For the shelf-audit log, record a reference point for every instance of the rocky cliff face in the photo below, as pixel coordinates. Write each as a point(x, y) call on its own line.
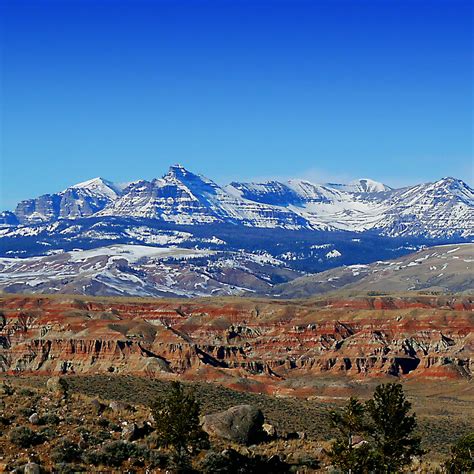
point(236, 342)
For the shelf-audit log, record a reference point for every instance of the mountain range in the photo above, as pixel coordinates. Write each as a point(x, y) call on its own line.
point(436, 210)
point(185, 235)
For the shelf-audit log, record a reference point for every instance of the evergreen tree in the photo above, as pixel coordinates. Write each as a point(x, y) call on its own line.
point(393, 428)
point(462, 456)
point(177, 424)
point(351, 421)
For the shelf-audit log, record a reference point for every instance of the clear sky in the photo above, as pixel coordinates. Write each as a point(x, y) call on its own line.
point(327, 90)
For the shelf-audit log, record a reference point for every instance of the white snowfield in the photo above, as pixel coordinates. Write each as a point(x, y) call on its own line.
point(441, 209)
point(133, 253)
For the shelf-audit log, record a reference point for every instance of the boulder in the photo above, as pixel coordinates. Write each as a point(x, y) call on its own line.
point(34, 419)
point(130, 432)
point(97, 406)
point(31, 468)
point(240, 424)
point(57, 385)
point(117, 406)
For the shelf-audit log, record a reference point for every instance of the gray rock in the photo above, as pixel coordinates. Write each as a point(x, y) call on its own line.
point(31, 468)
point(241, 424)
point(130, 432)
point(97, 406)
point(57, 385)
point(34, 419)
point(117, 406)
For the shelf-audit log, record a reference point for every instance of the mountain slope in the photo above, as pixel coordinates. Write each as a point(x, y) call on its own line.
point(443, 208)
point(139, 270)
point(446, 268)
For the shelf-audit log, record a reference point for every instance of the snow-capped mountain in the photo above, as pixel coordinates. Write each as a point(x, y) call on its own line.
point(438, 209)
point(200, 238)
point(80, 200)
point(443, 209)
point(182, 197)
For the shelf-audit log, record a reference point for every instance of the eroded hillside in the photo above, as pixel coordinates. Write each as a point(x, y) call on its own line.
point(258, 345)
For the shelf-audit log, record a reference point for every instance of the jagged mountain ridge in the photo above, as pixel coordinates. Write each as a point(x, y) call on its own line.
point(434, 210)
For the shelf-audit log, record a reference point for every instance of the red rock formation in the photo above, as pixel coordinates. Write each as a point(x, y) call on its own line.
point(234, 338)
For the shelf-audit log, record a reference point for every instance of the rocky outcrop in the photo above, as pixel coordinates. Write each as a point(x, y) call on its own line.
point(241, 424)
point(239, 339)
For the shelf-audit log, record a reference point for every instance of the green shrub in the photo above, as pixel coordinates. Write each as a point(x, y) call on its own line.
point(230, 461)
point(49, 419)
point(26, 411)
point(157, 459)
point(103, 422)
point(7, 389)
point(65, 452)
point(115, 453)
point(65, 468)
point(48, 433)
point(25, 392)
point(93, 439)
point(25, 437)
point(5, 421)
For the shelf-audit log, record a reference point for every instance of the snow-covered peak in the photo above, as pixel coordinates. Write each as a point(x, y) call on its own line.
point(184, 176)
point(454, 185)
point(177, 170)
point(362, 185)
point(312, 192)
point(367, 185)
point(98, 187)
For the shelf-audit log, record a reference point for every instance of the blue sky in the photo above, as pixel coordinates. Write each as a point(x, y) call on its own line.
point(327, 90)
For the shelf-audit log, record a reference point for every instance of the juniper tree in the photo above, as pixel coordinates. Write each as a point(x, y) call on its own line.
point(349, 422)
point(393, 428)
point(177, 423)
point(462, 456)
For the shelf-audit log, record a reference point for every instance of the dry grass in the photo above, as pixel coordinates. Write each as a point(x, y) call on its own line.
point(444, 411)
